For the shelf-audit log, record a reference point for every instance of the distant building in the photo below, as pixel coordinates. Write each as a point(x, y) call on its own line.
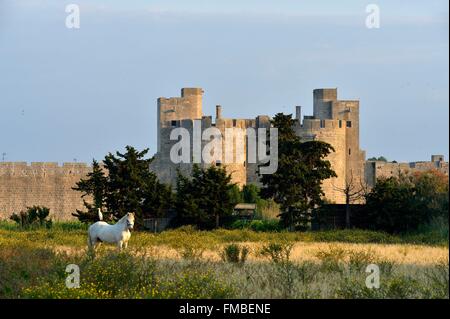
point(377, 169)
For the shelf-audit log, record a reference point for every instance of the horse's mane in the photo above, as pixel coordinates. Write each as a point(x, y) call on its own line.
point(123, 218)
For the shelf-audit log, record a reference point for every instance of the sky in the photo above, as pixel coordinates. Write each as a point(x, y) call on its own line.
point(76, 94)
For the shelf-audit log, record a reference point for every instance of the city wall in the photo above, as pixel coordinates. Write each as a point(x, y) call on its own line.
point(43, 184)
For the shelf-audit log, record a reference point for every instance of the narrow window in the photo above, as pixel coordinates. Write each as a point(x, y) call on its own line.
point(234, 123)
point(349, 123)
point(340, 123)
point(349, 151)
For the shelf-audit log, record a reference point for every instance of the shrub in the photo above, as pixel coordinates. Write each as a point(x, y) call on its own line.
point(257, 225)
point(333, 258)
point(360, 259)
point(386, 266)
point(235, 254)
point(406, 203)
point(191, 249)
point(277, 252)
point(33, 217)
point(285, 271)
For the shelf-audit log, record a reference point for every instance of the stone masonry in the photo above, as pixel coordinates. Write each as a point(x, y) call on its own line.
point(43, 184)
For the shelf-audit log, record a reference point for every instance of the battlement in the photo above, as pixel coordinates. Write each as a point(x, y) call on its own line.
point(191, 91)
point(47, 184)
point(43, 165)
point(325, 94)
point(171, 110)
point(318, 124)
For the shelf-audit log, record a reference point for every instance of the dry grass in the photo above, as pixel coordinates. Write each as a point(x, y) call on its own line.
point(32, 262)
point(305, 252)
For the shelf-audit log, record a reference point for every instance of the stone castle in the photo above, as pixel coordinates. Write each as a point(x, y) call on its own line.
point(333, 121)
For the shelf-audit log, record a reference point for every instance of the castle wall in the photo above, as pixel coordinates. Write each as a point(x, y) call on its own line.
point(41, 184)
point(381, 169)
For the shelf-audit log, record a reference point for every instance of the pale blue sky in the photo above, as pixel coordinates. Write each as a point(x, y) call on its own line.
point(68, 94)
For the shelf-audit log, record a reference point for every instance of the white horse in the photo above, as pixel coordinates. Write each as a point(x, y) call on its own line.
point(118, 233)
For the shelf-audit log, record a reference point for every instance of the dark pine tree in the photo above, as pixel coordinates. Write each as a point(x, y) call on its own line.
point(94, 186)
point(206, 198)
point(296, 185)
point(124, 184)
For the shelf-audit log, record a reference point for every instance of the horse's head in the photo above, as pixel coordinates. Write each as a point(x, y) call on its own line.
point(130, 220)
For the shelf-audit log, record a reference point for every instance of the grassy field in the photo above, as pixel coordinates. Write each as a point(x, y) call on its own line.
point(186, 263)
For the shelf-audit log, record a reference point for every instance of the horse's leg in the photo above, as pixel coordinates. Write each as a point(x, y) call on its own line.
point(120, 245)
point(125, 245)
point(92, 245)
point(89, 242)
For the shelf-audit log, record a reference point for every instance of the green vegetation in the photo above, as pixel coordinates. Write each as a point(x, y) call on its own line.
point(408, 203)
point(415, 206)
point(126, 276)
point(33, 217)
point(257, 225)
point(296, 185)
point(124, 184)
point(74, 235)
point(206, 198)
point(234, 253)
point(32, 269)
point(380, 158)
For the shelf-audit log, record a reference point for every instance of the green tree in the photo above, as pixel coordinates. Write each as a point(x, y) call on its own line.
point(250, 193)
point(297, 184)
point(432, 190)
point(381, 158)
point(205, 198)
point(390, 206)
point(95, 186)
point(236, 194)
point(404, 203)
point(126, 185)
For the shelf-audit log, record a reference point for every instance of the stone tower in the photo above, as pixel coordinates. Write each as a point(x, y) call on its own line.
point(170, 110)
point(337, 123)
